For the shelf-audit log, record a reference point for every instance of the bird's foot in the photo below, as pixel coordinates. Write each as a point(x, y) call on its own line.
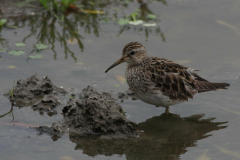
point(167, 110)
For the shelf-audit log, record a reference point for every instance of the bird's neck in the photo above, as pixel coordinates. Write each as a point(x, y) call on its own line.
point(145, 61)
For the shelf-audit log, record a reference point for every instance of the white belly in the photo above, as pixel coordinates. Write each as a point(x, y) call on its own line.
point(157, 99)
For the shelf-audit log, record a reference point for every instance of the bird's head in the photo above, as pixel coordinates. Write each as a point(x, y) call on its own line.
point(133, 53)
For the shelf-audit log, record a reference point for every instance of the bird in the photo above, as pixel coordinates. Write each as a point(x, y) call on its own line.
point(159, 81)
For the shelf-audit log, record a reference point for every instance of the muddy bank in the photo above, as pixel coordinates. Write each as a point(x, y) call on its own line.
point(96, 113)
point(91, 112)
point(39, 93)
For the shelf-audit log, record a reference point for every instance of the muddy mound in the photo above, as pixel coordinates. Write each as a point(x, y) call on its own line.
point(96, 113)
point(41, 94)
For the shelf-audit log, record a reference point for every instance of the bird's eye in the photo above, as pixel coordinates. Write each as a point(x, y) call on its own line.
point(132, 53)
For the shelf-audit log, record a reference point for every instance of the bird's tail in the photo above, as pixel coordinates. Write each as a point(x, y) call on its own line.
point(204, 86)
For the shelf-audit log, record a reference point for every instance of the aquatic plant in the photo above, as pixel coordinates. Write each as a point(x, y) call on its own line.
point(11, 91)
point(56, 6)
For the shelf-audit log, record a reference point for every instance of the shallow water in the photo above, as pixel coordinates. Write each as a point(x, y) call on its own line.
point(203, 35)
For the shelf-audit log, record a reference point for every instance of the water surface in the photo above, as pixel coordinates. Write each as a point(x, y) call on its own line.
point(204, 35)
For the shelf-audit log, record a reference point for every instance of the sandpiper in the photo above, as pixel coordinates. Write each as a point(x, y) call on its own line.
point(159, 81)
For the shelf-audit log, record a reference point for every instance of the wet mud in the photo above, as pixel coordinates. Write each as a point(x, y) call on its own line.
point(41, 94)
point(91, 112)
point(96, 113)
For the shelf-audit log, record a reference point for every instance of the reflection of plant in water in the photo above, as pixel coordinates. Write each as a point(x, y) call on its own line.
point(4, 43)
point(56, 6)
point(144, 14)
point(44, 27)
point(49, 29)
point(8, 113)
point(10, 94)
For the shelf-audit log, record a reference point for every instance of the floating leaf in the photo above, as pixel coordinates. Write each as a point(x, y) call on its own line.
point(2, 21)
point(94, 12)
point(72, 41)
point(149, 24)
point(236, 29)
point(80, 63)
point(138, 10)
point(152, 16)
point(137, 22)
point(123, 21)
point(20, 44)
point(116, 85)
point(3, 50)
point(225, 151)
point(41, 46)
point(126, 1)
point(67, 158)
point(13, 27)
point(16, 53)
point(12, 67)
point(121, 79)
point(204, 156)
point(234, 112)
point(36, 56)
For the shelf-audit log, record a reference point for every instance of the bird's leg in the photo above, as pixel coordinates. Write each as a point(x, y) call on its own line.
point(167, 110)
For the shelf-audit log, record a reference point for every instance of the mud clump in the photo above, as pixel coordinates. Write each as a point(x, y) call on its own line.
point(41, 94)
point(92, 112)
point(96, 113)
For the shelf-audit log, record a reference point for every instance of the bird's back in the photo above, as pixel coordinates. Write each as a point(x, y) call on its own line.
point(167, 79)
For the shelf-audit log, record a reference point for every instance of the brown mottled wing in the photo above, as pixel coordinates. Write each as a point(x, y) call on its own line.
point(178, 82)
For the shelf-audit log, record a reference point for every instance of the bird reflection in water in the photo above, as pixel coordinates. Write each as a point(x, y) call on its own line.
point(163, 137)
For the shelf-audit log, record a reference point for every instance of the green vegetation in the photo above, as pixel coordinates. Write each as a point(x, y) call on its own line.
point(134, 20)
point(2, 50)
point(123, 21)
point(133, 15)
point(20, 44)
point(2, 22)
point(55, 6)
point(11, 91)
point(58, 8)
point(88, 17)
point(16, 53)
point(41, 46)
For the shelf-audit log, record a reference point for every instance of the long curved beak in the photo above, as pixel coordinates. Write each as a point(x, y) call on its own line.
point(121, 60)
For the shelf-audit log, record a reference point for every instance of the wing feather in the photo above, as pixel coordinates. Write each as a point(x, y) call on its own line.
point(178, 82)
